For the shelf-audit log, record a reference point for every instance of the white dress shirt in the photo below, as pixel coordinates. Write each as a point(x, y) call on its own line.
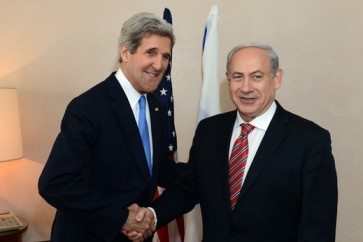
point(133, 96)
point(255, 137)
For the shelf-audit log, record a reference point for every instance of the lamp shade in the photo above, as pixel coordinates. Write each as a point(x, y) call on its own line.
point(11, 146)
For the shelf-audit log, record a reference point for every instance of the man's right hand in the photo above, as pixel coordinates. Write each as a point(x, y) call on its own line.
point(139, 224)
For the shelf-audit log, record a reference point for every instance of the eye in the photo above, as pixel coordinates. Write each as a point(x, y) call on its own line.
point(166, 57)
point(151, 52)
point(236, 77)
point(257, 77)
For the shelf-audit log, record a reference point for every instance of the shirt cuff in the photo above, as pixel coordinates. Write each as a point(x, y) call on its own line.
point(155, 218)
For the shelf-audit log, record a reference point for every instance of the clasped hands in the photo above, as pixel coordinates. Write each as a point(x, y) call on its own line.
point(140, 223)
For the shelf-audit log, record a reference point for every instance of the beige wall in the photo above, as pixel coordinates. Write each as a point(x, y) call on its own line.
point(54, 50)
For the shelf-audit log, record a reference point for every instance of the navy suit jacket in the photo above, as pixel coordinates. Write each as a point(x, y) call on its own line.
point(290, 192)
point(97, 166)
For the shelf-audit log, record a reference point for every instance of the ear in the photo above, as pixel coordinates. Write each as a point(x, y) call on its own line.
point(124, 53)
point(278, 78)
point(227, 76)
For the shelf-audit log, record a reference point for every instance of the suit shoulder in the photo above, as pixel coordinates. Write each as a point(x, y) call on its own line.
point(101, 87)
point(304, 124)
point(96, 92)
point(218, 119)
point(94, 100)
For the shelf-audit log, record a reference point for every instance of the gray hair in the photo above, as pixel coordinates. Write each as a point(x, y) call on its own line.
point(140, 25)
point(273, 58)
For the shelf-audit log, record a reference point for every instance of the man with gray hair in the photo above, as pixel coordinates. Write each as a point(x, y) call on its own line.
point(260, 173)
point(112, 149)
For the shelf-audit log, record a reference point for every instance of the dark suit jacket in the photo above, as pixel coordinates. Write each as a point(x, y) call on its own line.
point(290, 192)
point(97, 166)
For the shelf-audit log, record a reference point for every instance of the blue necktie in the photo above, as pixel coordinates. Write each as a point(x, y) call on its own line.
point(144, 131)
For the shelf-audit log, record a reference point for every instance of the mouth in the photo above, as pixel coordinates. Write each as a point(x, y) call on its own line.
point(247, 100)
point(153, 74)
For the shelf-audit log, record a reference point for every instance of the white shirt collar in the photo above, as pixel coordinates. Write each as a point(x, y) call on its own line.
point(262, 121)
point(132, 94)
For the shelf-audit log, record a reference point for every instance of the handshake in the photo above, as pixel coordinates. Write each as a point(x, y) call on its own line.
point(140, 223)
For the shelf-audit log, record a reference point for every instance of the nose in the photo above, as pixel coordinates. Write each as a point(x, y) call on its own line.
point(245, 85)
point(158, 63)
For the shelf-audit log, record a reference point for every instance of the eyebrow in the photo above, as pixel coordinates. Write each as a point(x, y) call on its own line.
point(252, 73)
point(151, 49)
point(155, 49)
point(257, 72)
point(236, 72)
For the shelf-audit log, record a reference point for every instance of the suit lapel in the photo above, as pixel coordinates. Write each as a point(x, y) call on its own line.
point(125, 116)
point(225, 134)
point(155, 113)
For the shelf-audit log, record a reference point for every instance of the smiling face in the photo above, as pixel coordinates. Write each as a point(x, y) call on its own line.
point(145, 68)
point(252, 86)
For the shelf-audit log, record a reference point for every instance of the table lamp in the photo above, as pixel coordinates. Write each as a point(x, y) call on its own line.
point(11, 147)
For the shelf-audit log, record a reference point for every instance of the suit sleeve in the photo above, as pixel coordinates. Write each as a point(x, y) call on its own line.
point(182, 195)
point(320, 193)
point(62, 185)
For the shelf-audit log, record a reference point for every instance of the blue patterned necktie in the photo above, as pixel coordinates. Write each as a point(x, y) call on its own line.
point(144, 132)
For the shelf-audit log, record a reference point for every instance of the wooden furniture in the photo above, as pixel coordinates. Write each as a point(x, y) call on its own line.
point(14, 235)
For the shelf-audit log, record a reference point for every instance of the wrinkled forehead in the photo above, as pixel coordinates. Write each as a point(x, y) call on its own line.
point(250, 60)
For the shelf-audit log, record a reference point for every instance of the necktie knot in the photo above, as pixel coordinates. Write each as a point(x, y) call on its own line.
point(142, 101)
point(246, 128)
